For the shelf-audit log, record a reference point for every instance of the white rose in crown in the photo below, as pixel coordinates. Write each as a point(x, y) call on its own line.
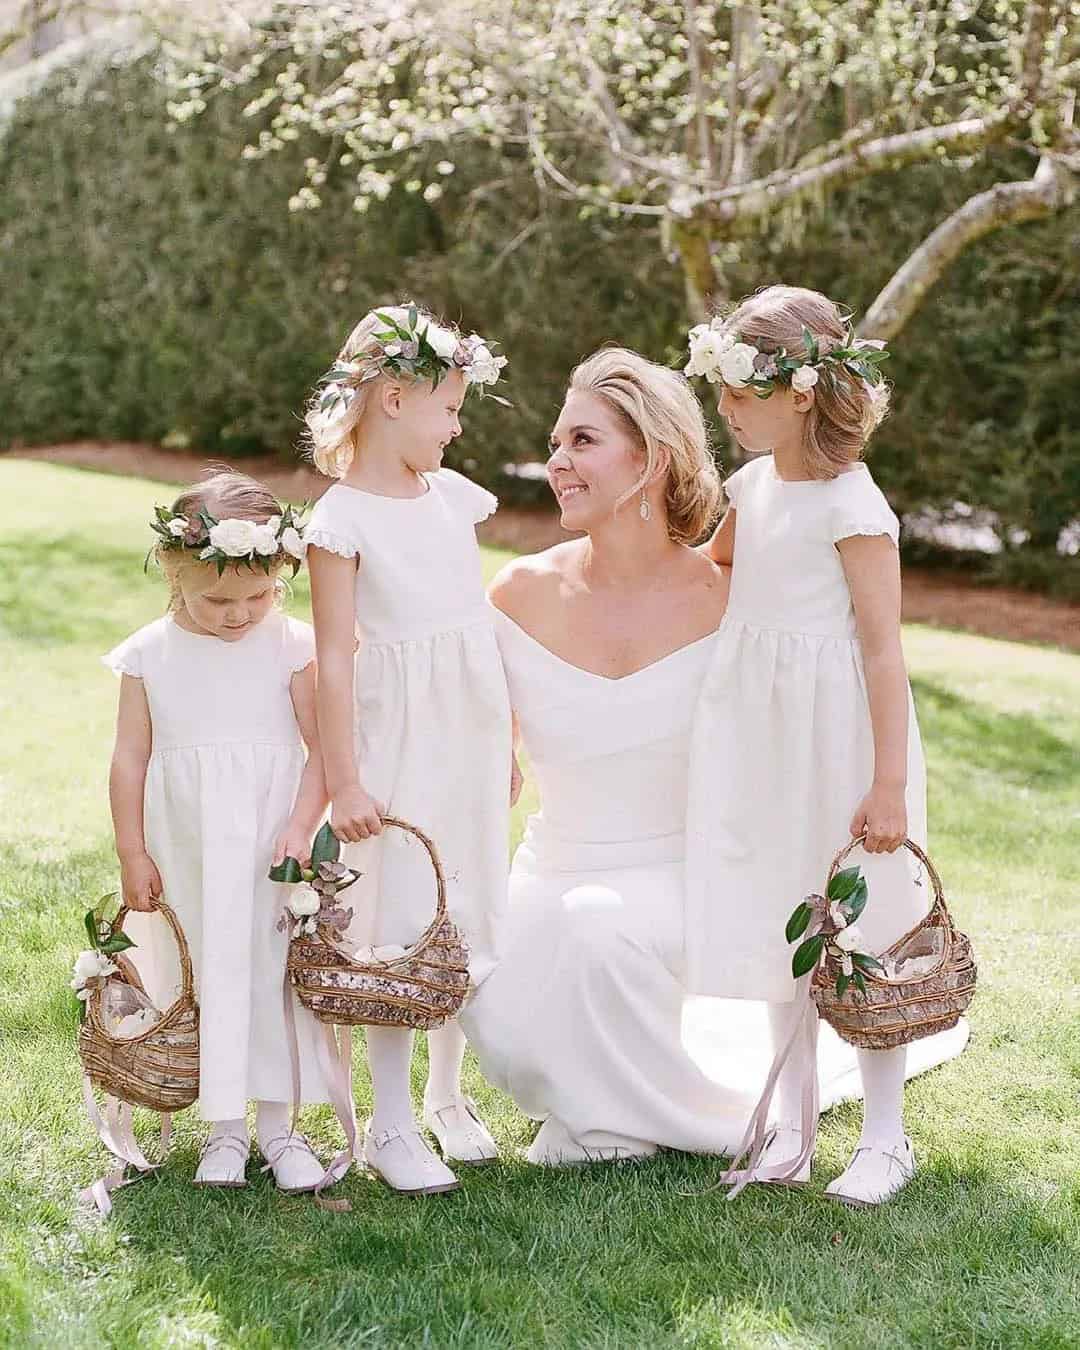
point(737, 364)
point(707, 346)
point(849, 939)
point(484, 367)
point(444, 342)
point(91, 965)
point(304, 902)
point(803, 379)
point(266, 540)
point(292, 542)
point(234, 537)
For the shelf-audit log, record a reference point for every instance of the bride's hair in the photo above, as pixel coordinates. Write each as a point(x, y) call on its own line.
point(661, 411)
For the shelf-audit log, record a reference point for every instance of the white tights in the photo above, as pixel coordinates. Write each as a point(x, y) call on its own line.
point(882, 1073)
point(390, 1060)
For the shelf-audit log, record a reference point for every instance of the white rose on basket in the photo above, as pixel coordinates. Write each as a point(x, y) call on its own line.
point(803, 379)
point(178, 526)
point(737, 364)
point(234, 537)
point(849, 939)
point(304, 903)
point(90, 965)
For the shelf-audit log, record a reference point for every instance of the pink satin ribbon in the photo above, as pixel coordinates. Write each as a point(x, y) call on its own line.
point(757, 1136)
point(116, 1133)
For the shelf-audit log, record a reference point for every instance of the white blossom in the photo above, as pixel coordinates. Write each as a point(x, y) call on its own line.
point(850, 939)
point(443, 340)
point(177, 526)
point(292, 542)
point(266, 540)
point(234, 537)
point(737, 364)
point(803, 379)
point(91, 965)
point(304, 902)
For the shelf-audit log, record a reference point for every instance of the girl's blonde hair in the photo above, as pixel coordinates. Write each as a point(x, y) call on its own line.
point(224, 494)
point(846, 409)
point(661, 411)
point(332, 438)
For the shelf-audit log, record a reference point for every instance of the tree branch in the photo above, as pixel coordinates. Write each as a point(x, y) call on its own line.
point(1052, 189)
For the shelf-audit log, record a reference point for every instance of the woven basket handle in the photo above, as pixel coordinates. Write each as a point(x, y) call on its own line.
point(187, 977)
point(939, 906)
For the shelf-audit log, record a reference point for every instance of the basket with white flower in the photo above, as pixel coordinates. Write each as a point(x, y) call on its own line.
point(729, 358)
point(137, 1054)
point(271, 544)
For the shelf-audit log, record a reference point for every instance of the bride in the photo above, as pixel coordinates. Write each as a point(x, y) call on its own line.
point(585, 1020)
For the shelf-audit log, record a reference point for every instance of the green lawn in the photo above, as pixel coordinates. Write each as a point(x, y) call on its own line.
point(982, 1250)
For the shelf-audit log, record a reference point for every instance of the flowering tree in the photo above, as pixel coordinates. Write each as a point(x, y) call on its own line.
point(719, 120)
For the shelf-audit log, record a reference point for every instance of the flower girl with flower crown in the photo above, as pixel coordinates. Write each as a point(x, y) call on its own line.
point(209, 787)
point(415, 717)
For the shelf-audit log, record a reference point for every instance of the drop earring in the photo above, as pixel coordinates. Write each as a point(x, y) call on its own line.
point(644, 510)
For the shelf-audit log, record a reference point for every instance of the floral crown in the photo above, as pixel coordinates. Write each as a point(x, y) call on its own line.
point(412, 344)
point(728, 358)
point(275, 541)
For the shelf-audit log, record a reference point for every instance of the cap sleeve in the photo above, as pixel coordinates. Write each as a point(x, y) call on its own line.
point(862, 510)
point(736, 481)
point(331, 526)
point(130, 656)
point(475, 502)
point(298, 647)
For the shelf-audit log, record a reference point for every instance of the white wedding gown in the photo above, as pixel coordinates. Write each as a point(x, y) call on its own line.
point(584, 1021)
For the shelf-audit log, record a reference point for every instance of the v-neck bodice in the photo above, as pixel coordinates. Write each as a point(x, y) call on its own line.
point(610, 755)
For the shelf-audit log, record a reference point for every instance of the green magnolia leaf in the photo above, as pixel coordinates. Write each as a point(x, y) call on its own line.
point(856, 901)
point(860, 983)
point(843, 884)
point(327, 847)
point(119, 942)
point(807, 955)
point(90, 922)
point(842, 982)
point(866, 962)
point(799, 922)
point(288, 871)
point(413, 318)
point(810, 343)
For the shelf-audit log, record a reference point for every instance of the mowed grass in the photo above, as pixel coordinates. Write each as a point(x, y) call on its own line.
point(982, 1250)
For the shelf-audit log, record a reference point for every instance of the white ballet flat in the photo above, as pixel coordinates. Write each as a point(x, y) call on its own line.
point(783, 1145)
point(462, 1136)
point(295, 1167)
point(404, 1162)
point(222, 1162)
point(874, 1175)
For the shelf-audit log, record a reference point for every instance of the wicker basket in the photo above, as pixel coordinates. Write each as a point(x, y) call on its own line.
point(421, 988)
point(160, 1067)
point(898, 1010)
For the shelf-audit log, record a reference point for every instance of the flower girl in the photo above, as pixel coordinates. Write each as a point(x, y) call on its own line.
point(806, 726)
point(415, 717)
point(209, 786)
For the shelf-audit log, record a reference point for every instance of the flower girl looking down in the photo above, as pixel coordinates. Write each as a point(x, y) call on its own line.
point(209, 786)
point(412, 702)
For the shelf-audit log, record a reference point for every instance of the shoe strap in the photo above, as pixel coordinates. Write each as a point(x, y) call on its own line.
point(284, 1144)
point(380, 1138)
point(459, 1103)
point(904, 1163)
point(218, 1142)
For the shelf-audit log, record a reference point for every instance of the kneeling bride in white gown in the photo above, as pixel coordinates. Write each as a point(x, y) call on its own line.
point(587, 1021)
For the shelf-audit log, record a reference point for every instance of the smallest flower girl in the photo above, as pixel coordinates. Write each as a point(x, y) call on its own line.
point(209, 787)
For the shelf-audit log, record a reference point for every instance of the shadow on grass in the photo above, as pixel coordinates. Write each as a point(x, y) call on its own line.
point(1017, 748)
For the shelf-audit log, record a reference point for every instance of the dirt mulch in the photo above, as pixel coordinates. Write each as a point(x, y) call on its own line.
point(929, 597)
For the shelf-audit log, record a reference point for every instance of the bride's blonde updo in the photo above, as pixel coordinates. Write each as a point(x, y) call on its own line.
point(661, 411)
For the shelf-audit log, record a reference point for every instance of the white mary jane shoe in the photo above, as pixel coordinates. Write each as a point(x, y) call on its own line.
point(462, 1136)
point(404, 1162)
point(222, 1161)
point(295, 1167)
point(874, 1175)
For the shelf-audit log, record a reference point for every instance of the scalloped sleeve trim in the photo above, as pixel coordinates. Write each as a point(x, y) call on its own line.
point(318, 537)
point(123, 660)
point(299, 645)
point(850, 527)
point(475, 500)
point(734, 482)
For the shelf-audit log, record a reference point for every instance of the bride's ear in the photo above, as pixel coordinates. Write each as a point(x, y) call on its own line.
point(662, 465)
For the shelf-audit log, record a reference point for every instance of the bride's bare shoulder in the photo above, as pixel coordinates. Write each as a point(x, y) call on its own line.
point(709, 581)
point(534, 580)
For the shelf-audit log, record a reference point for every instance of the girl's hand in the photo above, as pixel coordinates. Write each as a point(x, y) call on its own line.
point(140, 882)
point(517, 779)
point(882, 814)
point(355, 815)
point(293, 842)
